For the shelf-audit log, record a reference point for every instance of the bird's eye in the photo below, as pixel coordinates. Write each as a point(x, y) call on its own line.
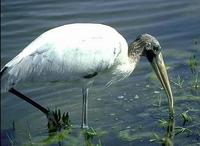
point(156, 49)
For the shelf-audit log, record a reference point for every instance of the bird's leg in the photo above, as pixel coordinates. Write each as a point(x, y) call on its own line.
point(56, 121)
point(85, 108)
point(29, 100)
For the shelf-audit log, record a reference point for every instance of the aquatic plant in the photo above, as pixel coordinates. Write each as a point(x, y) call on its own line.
point(163, 123)
point(179, 81)
point(165, 141)
point(186, 117)
point(90, 134)
point(196, 82)
point(194, 68)
point(179, 130)
point(193, 63)
point(56, 121)
point(57, 137)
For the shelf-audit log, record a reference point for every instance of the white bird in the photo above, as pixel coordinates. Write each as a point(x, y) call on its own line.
point(83, 52)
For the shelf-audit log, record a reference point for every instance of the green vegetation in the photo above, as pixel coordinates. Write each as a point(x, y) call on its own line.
point(57, 137)
point(56, 121)
point(179, 130)
point(163, 123)
point(90, 134)
point(185, 116)
point(179, 81)
point(163, 141)
point(128, 135)
point(67, 137)
point(193, 64)
point(195, 70)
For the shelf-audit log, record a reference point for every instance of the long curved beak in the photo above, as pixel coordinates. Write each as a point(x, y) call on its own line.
point(158, 65)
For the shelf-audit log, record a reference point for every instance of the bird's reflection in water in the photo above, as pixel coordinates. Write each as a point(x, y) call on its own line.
point(61, 132)
point(69, 136)
point(90, 137)
point(169, 139)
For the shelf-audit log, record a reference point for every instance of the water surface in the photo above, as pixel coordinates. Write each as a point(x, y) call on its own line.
point(129, 104)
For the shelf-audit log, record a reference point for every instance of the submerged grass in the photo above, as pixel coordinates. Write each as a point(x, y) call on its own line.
point(193, 64)
point(179, 81)
point(186, 117)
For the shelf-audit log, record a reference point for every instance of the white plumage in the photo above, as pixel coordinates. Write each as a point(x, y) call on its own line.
point(70, 52)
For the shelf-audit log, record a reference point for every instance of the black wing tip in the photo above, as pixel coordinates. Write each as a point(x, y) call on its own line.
point(90, 75)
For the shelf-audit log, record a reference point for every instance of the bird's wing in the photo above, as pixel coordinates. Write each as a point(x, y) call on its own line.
point(63, 54)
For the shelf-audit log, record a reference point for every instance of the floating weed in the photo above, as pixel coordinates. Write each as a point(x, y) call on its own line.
point(186, 117)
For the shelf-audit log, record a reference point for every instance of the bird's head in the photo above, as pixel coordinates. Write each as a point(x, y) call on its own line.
point(147, 45)
point(151, 46)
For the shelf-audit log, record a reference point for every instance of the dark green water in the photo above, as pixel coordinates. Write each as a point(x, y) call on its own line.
point(125, 112)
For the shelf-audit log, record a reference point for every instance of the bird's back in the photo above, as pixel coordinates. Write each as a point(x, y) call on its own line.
point(68, 52)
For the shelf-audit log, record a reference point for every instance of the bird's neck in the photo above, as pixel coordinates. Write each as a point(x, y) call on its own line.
point(134, 52)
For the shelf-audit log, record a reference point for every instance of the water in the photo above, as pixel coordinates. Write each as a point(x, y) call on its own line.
point(174, 23)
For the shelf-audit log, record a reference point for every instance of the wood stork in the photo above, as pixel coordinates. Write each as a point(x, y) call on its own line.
point(82, 52)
